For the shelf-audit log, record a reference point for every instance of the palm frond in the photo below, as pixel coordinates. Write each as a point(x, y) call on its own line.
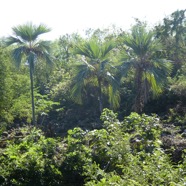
point(76, 92)
point(41, 29)
point(29, 32)
point(12, 40)
point(155, 85)
point(17, 55)
point(106, 48)
point(81, 50)
point(43, 46)
point(125, 67)
point(87, 64)
point(161, 69)
point(48, 59)
point(89, 49)
point(42, 51)
point(23, 31)
point(82, 74)
point(113, 90)
point(114, 97)
point(164, 65)
point(94, 47)
point(140, 40)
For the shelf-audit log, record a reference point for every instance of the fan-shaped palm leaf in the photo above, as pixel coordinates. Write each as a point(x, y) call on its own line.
point(29, 32)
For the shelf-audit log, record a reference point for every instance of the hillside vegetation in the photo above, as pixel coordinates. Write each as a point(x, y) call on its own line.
point(105, 109)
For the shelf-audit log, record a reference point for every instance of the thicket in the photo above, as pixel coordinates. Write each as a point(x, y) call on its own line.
point(127, 152)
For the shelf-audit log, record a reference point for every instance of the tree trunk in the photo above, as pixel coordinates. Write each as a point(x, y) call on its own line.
point(32, 96)
point(100, 98)
point(139, 102)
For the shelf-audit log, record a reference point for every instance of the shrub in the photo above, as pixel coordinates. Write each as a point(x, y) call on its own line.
point(30, 159)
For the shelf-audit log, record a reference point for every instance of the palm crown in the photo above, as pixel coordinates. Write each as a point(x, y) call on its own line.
point(95, 70)
point(143, 56)
point(26, 37)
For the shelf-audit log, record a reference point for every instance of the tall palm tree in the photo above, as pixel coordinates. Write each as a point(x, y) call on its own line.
point(29, 49)
point(143, 55)
point(95, 69)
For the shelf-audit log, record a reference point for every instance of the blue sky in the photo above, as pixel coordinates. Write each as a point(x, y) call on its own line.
point(67, 16)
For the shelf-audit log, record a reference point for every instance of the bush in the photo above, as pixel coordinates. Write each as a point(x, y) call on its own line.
point(30, 159)
point(121, 153)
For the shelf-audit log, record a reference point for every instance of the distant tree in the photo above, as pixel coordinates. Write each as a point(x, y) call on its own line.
point(95, 69)
point(172, 34)
point(143, 56)
point(66, 44)
point(29, 49)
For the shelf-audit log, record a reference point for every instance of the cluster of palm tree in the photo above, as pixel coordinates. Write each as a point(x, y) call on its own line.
point(141, 57)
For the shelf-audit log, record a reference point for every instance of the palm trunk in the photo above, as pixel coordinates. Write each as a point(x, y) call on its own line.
point(100, 97)
point(139, 102)
point(32, 95)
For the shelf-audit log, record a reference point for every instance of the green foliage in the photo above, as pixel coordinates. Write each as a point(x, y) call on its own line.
point(30, 159)
point(150, 69)
point(177, 117)
point(77, 156)
point(44, 104)
point(138, 166)
point(96, 70)
point(145, 131)
point(177, 111)
point(6, 93)
point(135, 151)
point(121, 153)
point(172, 34)
point(20, 109)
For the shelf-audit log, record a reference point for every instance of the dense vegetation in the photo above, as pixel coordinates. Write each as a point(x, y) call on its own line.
point(108, 108)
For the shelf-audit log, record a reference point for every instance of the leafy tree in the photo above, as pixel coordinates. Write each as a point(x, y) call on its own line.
point(172, 34)
point(66, 44)
point(29, 49)
point(143, 55)
point(6, 93)
point(95, 70)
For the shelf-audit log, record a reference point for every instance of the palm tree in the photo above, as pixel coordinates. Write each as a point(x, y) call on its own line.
point(143, 55)
point(29, 49)
point(95, 69)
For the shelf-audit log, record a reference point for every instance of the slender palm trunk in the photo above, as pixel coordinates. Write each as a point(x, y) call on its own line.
point(138, 105)
point(100, 97)
point(32, 95)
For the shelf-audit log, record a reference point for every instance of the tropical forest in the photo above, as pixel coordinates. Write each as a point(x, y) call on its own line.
point(107, 108)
